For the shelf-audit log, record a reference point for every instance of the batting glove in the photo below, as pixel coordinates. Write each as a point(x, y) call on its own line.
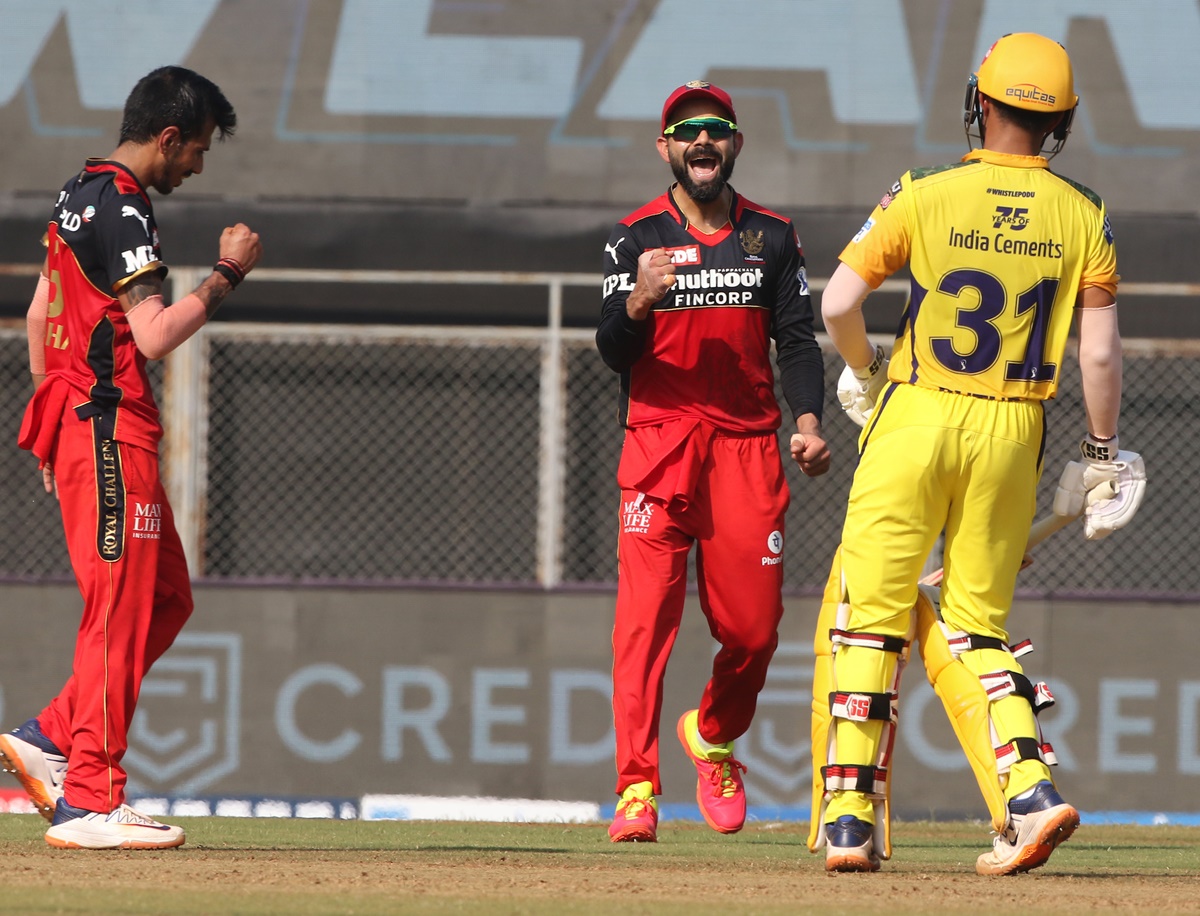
point(858, 388)
point(1106, 487)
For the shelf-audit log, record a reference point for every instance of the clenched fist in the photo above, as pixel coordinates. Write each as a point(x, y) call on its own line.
point(242, 245)
point(655, 276)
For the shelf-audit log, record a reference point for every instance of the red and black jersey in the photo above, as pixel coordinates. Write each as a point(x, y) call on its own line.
point(704, 350)
point(101, 237)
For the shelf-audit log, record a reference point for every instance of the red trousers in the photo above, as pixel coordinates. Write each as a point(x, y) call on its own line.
point(129, 563)
point(726, 494)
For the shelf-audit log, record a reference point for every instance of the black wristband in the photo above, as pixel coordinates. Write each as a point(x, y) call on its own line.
point(228, 273)
point(234, 265)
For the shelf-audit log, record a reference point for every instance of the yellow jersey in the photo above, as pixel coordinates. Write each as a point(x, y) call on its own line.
point(998, 248)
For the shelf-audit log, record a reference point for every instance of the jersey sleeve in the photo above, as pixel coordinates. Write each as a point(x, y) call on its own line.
point(128, 239)
point(1101, 267)
point(619, 338)
point(797, 353)
point(881, 247)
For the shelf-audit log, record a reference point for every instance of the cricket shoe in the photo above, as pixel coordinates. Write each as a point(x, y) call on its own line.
point(850, 845)
point(719, 789)
point(637, 816)
point(39, 766)
point(121, 828)
point(1038, 821)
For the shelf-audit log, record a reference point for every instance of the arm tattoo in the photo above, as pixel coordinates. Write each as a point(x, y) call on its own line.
point(140, 290)
point(212, 293)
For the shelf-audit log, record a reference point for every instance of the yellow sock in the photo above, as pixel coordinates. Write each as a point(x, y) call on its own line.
point(853, 803)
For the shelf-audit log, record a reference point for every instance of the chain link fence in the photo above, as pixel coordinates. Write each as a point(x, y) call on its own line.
point(487, 458)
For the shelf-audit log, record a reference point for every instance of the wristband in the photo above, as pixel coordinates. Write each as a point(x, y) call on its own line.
point(235, 265)
point(230, 273)
point(876, 365)
point(1095, 449)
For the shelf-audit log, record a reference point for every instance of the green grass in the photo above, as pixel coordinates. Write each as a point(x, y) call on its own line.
point(258, 866)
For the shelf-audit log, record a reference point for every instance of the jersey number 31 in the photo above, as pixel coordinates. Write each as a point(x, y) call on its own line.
point(993, 299)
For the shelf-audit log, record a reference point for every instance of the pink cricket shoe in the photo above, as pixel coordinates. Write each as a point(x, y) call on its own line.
point(719, 790)
point(637, 816)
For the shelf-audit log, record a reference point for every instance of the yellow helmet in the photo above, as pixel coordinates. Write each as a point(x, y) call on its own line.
point(1027, 71)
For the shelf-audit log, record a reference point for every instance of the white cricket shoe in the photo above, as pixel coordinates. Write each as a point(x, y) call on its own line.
point(850, 845)
point(121, 828)
point(38, 765)
point(1039, 821)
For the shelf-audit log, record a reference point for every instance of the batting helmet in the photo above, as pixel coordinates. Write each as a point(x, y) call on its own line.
point(1027, 71)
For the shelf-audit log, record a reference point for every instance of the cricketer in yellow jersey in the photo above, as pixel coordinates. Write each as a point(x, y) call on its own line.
point(1003, 255)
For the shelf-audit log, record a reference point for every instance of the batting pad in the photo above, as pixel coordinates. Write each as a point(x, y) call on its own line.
point(822, 687)
point(966, 704)
point(833, 614)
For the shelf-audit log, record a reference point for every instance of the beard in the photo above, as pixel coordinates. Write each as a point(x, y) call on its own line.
point(702, 191)
point(166, 182)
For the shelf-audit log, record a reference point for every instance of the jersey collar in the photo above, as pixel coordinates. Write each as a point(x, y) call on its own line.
point(125, 180)
point(735, 206)
point(1009, 159)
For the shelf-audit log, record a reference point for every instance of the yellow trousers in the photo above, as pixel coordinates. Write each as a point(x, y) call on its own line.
point(934, 461)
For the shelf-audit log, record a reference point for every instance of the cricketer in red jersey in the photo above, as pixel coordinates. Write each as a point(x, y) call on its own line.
point(96, 318)
point(696, 285)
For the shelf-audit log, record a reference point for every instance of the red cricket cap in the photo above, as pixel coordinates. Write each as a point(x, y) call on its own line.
point(697, 89)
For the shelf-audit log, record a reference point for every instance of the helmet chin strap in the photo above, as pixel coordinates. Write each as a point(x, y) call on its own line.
point(972, 113)
point(1061, 132)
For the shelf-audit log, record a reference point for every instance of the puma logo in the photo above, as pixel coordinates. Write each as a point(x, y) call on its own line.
point(130, 211)
point(612, 249)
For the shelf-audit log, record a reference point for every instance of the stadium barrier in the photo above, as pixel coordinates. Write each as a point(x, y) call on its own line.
point(485, 456)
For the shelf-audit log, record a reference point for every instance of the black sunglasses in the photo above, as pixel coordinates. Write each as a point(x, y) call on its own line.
point(689, 130)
